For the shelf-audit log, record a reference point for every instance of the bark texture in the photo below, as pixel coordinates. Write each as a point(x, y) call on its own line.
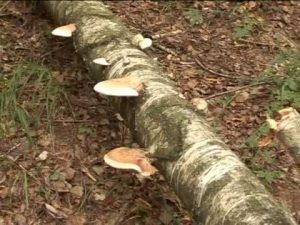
point(210, 180)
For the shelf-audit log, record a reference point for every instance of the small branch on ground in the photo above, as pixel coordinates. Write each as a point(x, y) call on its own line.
point(13, 147)
point(21, 167)
point(165, 49)
point(68, 121)
point(257, 43)
point(214, 72)
point(234, 90)
point(4, 6)
point(174, 32)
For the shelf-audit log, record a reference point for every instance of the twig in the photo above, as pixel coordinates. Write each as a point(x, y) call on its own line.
point(163, 48)
point(4, 5)
point(21, 167)
point(213, 72)
point(174, 32)
point(14, 147)
point(234, 90)
point(69, 121)
point(257, 43)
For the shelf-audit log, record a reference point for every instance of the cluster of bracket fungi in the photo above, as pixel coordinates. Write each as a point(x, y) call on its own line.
point(122, 157)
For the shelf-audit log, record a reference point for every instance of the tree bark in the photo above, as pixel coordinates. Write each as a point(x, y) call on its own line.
point(211, 181)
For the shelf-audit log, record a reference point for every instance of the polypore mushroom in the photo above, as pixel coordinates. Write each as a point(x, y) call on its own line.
point(145, 43)
point(101, 61)
point(142, 42)
point(64, 31)
point(129, 158)
point(127, 86)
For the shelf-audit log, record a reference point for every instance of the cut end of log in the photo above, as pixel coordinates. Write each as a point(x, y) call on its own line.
point(127, 86)
point(272, 124)
point(64, 31)
point(129, 158)
point(101, 61)
point(286, 112)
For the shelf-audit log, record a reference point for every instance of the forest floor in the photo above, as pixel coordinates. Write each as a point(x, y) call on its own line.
point(55, 130)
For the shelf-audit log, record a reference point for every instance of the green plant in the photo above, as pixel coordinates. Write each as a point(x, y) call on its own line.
point(245, 27)
point(268, 176)
point(168, 5)
point(55, 175)
point(194, 16)
point(85, 130)
point(28, 92)
point(226, 100)
point(284, 80)
point(252, 140)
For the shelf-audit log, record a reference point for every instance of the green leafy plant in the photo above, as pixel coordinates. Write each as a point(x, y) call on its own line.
point(268, 176)
point(244, 27)
point(226, 100)
point(284, 80)
point(194, 16)
point(85, 130)
point(55, 175)
point(262, 131)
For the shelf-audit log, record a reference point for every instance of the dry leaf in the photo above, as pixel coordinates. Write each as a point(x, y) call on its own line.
point(77, 191)
point(43, 156)
point(266, 140)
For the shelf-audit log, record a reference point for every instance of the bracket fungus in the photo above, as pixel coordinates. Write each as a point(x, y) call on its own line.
point(130, 158)
point(126, 86)
point(101, 61)
point(142, 42)
point(64, 31)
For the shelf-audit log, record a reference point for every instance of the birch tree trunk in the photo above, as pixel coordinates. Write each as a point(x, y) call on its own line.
point(211, 181)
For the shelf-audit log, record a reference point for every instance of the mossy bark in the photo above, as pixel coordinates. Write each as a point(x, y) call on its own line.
point(210, 180)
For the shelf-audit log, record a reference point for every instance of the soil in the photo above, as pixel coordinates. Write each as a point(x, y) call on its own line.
point(73, 185)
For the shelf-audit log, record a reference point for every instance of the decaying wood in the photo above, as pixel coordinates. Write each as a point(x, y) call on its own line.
point(210, 180)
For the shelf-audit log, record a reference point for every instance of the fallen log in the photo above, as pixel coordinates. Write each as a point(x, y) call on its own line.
point(210, 180)
point(287, 130)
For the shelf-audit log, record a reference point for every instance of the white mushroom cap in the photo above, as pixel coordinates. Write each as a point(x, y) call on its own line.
point(145, 43)
point(64, 31)
point(127, 86)
point(142, 42)
point(101, 61)
point(129, 158)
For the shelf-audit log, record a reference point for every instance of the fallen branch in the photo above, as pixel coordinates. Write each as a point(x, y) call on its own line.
point(173, 32)
point(234, 90)
point(257, 43)
point(165, 49)
point(213, 72)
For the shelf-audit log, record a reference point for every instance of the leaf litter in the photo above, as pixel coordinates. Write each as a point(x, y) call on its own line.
point(233, 41)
